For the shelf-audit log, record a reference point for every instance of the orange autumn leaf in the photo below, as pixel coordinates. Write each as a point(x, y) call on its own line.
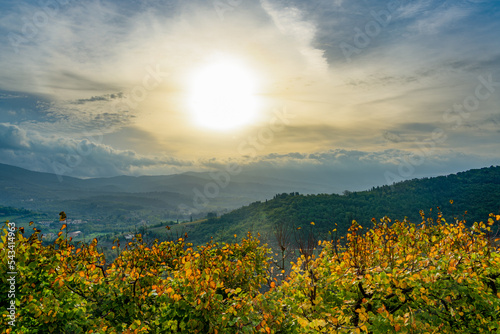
point(62, 216)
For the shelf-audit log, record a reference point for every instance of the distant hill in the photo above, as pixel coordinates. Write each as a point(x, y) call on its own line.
point(475, 191)
point(163, 197)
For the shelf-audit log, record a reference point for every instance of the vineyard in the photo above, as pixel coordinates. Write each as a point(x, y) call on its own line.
point(396, 277)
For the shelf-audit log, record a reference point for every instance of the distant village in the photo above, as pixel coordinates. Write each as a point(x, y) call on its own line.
point(49, 223)
point(52, 224)
point(73, 234)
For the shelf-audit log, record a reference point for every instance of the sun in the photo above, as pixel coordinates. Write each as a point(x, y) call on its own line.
point(222, 95)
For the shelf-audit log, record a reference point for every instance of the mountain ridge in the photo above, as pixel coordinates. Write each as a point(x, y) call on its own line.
point(47, 192)
point(471, 195)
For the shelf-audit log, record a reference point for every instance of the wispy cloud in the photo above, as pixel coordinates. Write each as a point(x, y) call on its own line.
point(432, 22)
point(414, 9)
point(290, 21)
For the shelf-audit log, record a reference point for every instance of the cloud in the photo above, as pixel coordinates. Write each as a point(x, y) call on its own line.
point(13, 137)
point(97, 62)
point(340, 169)
point(81, 48)
point(414, 9)
point(84, 157)
point(290, 22)
point(433, 22)
point(107, 97)
point(332, 170)
point(393, 137)
point(94, 47)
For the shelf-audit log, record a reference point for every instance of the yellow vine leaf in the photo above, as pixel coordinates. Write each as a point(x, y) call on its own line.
point(303, 322)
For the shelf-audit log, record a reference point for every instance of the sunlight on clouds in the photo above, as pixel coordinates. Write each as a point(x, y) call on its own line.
point(222, 94)
point(290, 22)
point(108, 67)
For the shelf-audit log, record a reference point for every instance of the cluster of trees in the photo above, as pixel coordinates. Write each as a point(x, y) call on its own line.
point(285, 195)
point(395, 277)
point(10, 211)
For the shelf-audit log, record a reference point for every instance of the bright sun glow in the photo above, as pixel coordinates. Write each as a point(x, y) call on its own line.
point(222, 95)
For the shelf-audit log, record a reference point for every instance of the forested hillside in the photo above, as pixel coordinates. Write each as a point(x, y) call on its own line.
point(10, 211)
point(469, 195)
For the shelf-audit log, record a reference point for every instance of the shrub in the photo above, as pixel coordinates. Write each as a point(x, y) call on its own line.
point(396, 277)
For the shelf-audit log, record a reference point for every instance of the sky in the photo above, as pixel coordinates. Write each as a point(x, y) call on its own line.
point(359, 93)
